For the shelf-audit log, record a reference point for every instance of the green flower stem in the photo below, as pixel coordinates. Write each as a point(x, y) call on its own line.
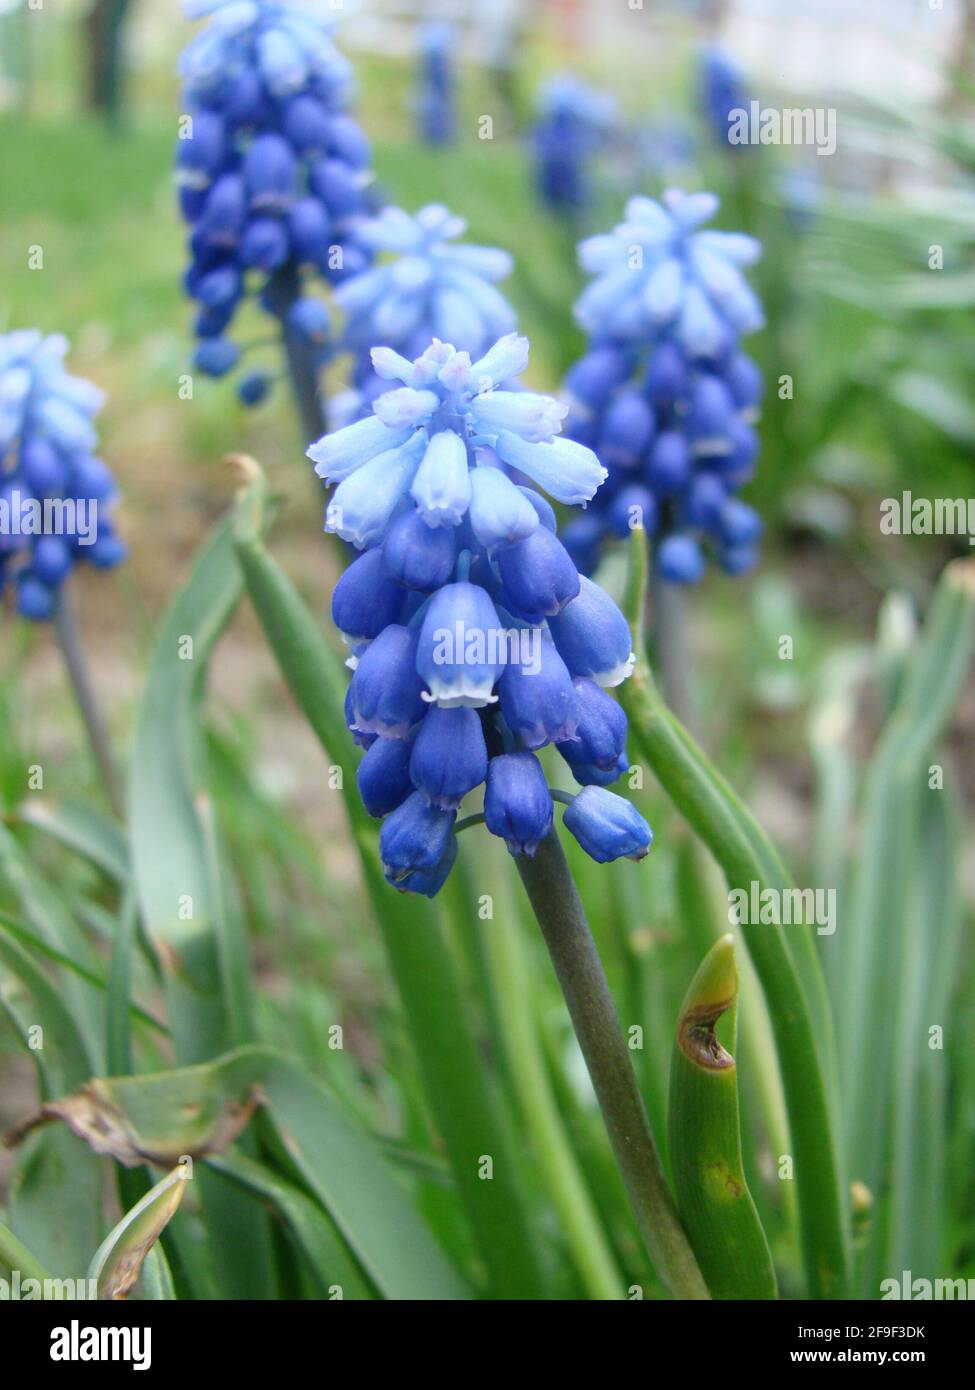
point(76, 665)
point(556, 904)
point(788, 968)
point(507, 965)
point(303, 371)
point(668, 636)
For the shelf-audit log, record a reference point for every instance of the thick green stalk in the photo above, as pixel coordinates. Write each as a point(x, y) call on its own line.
point(508, 966)
point(788, 969)
point(713, 1199)
point(556, 904)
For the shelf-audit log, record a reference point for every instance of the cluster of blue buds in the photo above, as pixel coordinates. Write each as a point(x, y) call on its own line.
point(574, 123)
point(54, 492)
point(664, 393)
point(474, 640)
point(273, 173)
point(425, 285)
point(435, 95)
point(721, 90)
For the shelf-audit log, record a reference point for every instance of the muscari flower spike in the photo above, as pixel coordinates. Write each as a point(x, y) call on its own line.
point(664, 393)
point(721, 90)
point(426, 285)
point(272, 172)
point(55, 494)
point(574, 123)
point(434, 99)
point(473, 640)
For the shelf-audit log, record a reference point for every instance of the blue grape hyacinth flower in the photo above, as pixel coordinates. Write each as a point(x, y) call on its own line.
point(664, 393)
point(721, 91)
point(575, 121)
point(272, 173)
point(473, 640)
point(434, 99)
point(56, 495)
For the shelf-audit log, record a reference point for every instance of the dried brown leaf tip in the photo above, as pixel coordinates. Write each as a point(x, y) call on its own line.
point(712, 992)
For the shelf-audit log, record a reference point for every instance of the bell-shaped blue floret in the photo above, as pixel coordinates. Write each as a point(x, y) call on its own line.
point(414, 837)
point(449, 756)
point(517, 802)
point(537, 698)
point(383, 776)
point(462, 647)
point(607, 826)
point(538, 574)
point(365, 599)
point(418, 556)
point(386, 690)
point(592, 636)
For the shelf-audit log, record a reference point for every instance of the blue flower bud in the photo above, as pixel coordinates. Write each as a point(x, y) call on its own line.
point(253, 388)
point(634, 508)
point(305, 122)
point(365, 599)
point(264, 244)
point(216, 356)
point(364, 503)
point(738, 559)
point(383, 776)
point(35, 599)
point(338, 186)
point(517, 802)
point(666, 376)
point(567, 471)
point(538, 574)
point(43, 470)
point(626, 430)
point(338, 455)
point(418, 556)
point(309, 318)
point(201, 153)
point(52, 560)
point(386, 691)
point(537, 698)
point(607, 826)
point(594, 377)
point(449, 756)
point(581, 538)
point(744, 380)
point(461, 651)
point(361, 739)
point(310, 230)
point(739, 525)
point(705, 501)
point(500, 513)
point(428, 881)
point(679, 560)
point(414, 837)
point(442, 486)
point(270, 173)
point(347, 142)
point(712, 412)
point(224, 213)
point(600, 737)
point(592, 636)
point(668, 466)
point(591, 775)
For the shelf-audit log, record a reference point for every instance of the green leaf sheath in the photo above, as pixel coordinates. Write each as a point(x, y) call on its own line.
point(453, 1073)
point(787, 967)
point(713, 1199)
